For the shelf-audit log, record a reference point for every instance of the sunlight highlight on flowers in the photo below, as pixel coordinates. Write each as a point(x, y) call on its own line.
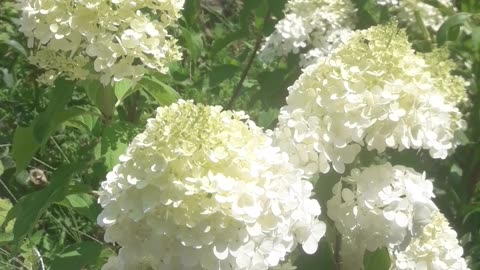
point(204, 188)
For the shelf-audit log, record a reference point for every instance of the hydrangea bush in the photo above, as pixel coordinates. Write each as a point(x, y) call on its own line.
point(295, 134)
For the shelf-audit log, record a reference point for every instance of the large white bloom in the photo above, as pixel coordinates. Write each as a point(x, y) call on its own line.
point(405, 10)
point(203, 188)
point(380, 206)
point(121, 39)
point(374, 91)
point(319, 24)
point(436, 248)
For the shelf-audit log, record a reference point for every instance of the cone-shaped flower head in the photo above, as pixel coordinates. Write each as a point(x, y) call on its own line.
point(203, 188)
point(118, 39)
point(374, 91)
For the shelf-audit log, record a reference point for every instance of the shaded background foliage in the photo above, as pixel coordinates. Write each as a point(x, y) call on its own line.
point(57, 144)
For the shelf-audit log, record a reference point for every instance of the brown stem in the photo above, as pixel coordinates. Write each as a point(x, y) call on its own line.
point(238, 88)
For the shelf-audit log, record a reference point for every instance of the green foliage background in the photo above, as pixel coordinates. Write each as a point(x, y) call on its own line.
point(57, 144)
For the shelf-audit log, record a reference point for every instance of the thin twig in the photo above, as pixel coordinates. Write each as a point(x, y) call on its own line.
point(238, 88)
point(44, 163)
point(424, 29)
point(11, 265)
point(14, 258)
point(60, 149)
point(40, 258)
point(67, 228)
point(336, 252)
point(9, 191)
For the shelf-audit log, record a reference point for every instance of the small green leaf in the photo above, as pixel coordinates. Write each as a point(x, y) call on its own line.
point(377, 260)
point(102, 97)
point(163, 94)
point(454, 21)
point(476, 38)
point(2, 169)
point(7, 78)
point(84, 122)
point(5, 206)
point(221, 73)
point(474, 210)
point(6, 234)
point(84, 204)
point(267, 118)
point(24, 147)
point(16, 46)
point(114, 142)
point(123, 89)
point(27, 140)
point(221, 43)
point(77, 256)
point(47, 120)
point(191, 12)
point(193, 42)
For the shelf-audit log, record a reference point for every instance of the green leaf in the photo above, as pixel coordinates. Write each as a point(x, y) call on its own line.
point(163, 94)
point(277, 7)
point(191, 12)
point(84, 204)
point(123, 89)
point(6, 235)
point(2, 169)
point(273, 87)
point(443, 34)
point(16, 46)
point(77, 256)
point(476, 38)
point(27, 140)
point(48, 120)
point(474, 210)
point(267, 118)
point(102, 97)
point(222, 43)
point(193, 42)
point(24, 147)
point(221, 73)
point(30, 207)
point(7, 78)
point(114, 142)
point(377, 260)
point(84, 122)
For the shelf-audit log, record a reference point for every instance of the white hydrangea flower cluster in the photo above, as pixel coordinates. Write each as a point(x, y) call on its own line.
point(432, 17)
point(203, 188)
point(323, 47)
point(122, 38)
point(381, 205)
point(373, 91)
point(319, 24)
point(436, 248)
